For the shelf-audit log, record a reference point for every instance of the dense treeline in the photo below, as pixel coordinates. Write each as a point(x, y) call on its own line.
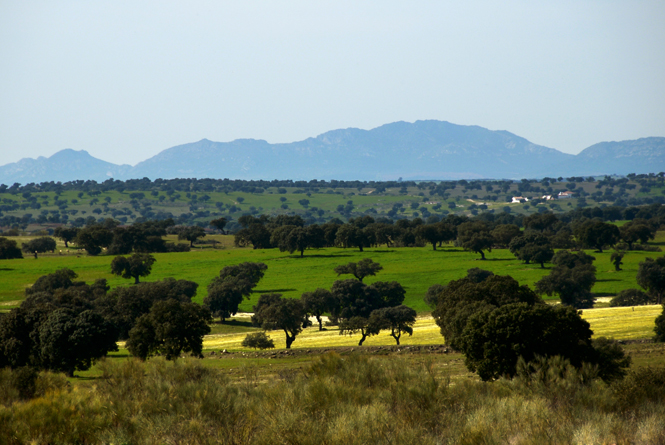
point(143, 199)
point(258, 186)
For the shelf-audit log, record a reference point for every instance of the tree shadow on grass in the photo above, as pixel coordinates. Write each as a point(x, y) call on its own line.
point(321, 256)
point(7, 268)
point(267, 291)
point(607, 279)
point(380, 251)
point(234, 322)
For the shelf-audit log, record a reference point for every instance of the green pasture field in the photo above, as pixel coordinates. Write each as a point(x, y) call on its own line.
point(415, 268)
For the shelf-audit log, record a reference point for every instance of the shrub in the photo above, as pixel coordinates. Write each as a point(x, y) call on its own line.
point(660, 327)
point(177, 247)
point(631, 297)
point(258, 340)
point(41, 245)
point(640, 386)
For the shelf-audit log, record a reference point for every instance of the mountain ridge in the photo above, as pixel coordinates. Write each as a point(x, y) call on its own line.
point(424, 149)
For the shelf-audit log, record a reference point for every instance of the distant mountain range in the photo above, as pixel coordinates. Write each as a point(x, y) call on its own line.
point(420, 150)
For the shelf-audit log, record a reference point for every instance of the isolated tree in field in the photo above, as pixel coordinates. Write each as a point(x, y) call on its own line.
point(317, 303)
point(399, 319)
point(9, 250)
point(274, 312)
point(225, 292)
point(66, 234)
point(170, 328)
point(134, 266)
point(616, 259)
point(191, 234)
point(475, 236)
point(258, 340)
point(363, 268)
point(219, 224)
point(597, 234)
point(358, 324)
point(651, 277)
point(572, 284)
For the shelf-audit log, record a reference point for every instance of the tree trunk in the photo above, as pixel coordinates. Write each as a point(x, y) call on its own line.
point(318, 318)
point(434, 245)
point(136, 279)
point(361, 248)
point(362, 339)
point(302, 253)
point(289, 340)
point(542, 265)
point(396, 337)
point(482, 255)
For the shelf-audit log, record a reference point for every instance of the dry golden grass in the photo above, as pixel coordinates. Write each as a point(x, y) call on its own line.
point(622, 323)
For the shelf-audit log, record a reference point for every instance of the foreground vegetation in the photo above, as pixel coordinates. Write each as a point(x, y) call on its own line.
point(336, 399)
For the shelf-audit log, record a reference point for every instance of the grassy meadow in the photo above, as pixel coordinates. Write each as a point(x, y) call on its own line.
point(415, 268)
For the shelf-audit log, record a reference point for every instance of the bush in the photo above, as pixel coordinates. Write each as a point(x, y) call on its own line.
point(177, 247)
point(9, 249)
point(41, 245)
point(258, 340)
point(641, 386)
point(660, 327)
point(631, 297)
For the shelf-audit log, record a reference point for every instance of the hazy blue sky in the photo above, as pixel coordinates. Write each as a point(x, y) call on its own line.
point(127, 79)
